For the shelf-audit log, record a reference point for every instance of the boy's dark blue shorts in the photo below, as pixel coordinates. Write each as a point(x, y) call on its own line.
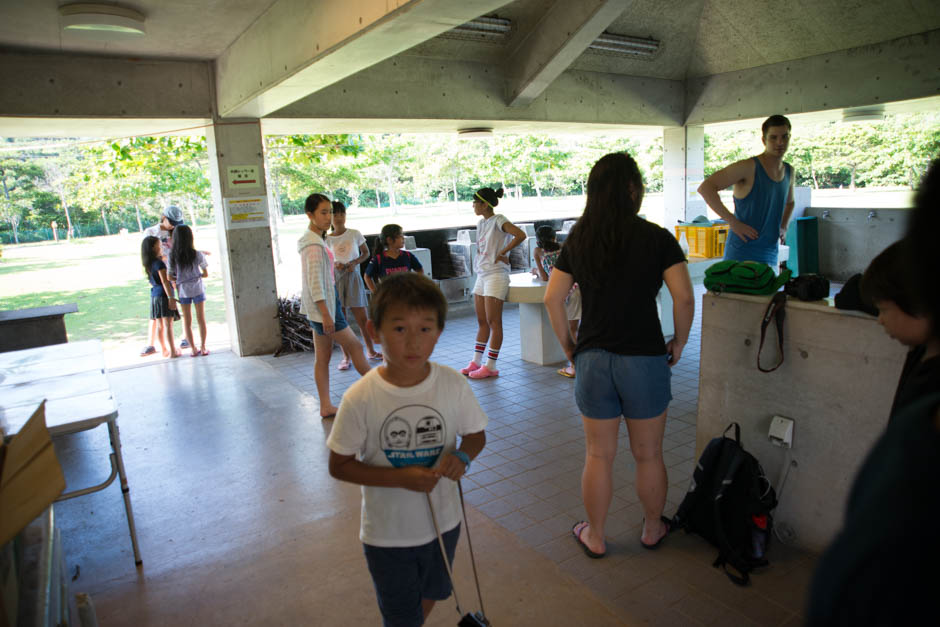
point(402, 576)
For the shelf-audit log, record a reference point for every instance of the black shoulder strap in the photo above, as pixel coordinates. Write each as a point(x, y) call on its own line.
point(728, 554)
point(777, 313)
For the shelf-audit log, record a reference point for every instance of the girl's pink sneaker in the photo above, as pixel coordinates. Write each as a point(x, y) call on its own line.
point(470, 368)
point(483, 373)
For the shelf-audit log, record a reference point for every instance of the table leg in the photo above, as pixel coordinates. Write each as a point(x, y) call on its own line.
point(536, 337)
point(115, 436)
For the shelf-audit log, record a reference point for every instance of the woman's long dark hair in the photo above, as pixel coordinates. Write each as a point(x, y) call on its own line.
point(920, 245)
point(389, 230)
point(183, 253)
point(597, 237)
point(146, 253)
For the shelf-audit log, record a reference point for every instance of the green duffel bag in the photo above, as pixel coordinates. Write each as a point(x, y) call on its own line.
point(744, 277)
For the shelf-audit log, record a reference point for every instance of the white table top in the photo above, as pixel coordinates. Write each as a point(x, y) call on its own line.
point(71, 376)
point(525, 287)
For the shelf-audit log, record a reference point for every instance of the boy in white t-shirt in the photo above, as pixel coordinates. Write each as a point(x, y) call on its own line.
point(396, 436)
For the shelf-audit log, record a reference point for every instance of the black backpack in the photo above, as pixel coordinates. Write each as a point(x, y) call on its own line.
point(729, 503)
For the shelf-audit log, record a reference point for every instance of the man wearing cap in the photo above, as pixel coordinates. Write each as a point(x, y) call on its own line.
point(163, 230)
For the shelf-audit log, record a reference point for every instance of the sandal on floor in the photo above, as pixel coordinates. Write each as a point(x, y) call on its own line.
point(653, 547)
point(566, 373)
point(343, 365)
point(576, 531)
point(377, 357)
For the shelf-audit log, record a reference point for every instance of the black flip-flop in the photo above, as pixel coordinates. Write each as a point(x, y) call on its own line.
point(584, 547)
point(653, 547)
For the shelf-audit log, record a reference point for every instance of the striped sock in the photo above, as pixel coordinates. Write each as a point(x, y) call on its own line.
point(478, 350)
point(491, 358)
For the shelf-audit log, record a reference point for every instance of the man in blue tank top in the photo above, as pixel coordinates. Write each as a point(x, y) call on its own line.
point(763, 197)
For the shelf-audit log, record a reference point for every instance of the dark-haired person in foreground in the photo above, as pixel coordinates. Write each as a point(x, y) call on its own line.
point(882, 567)
point(620, 261)
point(900, 316)
point(763, 197)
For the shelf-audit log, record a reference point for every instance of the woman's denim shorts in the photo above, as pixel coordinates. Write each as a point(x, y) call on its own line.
point(610, 385)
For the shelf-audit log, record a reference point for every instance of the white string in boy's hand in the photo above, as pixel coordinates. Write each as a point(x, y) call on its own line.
point(419, 478)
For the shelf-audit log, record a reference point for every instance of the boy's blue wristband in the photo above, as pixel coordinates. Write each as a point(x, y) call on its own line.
point(462, 457)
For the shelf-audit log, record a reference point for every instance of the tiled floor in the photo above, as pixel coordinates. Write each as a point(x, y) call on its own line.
point(528, 481)
point(239, 521)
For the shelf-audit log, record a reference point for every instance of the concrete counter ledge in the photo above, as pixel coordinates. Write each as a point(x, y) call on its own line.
point(836, 383)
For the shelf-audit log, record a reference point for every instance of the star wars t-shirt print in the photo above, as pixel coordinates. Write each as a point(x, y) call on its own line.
point(413, 435)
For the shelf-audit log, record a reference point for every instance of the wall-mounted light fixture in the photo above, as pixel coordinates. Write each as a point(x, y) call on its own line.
point(102, 18)
point(625, 45)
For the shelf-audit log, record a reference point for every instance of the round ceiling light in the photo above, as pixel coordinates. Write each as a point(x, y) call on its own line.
point(106, 18)
point(862, 114)
point(478, 132)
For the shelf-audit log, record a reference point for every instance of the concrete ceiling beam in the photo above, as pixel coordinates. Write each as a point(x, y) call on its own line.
point(299, 47)
point(418, 88)
point(60, 85)
point(562, 34)
point(900, 69)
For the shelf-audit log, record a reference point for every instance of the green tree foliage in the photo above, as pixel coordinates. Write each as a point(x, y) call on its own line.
point(101, 187)
point(20, 182)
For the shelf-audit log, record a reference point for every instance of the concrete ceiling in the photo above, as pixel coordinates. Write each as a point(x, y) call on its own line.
point(176, 29)
point(699, 37)
point(323, 59)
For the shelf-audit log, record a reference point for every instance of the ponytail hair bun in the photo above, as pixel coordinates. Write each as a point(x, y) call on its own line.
point(489, 195)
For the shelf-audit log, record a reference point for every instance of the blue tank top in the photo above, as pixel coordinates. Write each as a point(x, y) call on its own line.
point(762, 209)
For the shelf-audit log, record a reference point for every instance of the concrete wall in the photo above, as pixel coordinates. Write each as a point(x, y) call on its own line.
point(849, 239)
point(837, 383)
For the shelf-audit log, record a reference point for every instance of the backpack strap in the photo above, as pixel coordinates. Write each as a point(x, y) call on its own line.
point(727, 554)
point(777, 313)
point(737, 432)
point(742, 580)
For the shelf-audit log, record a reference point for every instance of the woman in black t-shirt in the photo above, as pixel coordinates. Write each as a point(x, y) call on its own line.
point(623, 363)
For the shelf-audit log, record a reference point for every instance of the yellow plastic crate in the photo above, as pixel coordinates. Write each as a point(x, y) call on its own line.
point(704, 241)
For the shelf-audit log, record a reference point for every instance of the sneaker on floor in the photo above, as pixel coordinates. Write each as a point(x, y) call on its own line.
point(470, 368)
point(184, 343)
point(148, 350)
point(483, 373)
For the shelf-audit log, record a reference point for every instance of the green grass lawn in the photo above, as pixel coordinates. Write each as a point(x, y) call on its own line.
point(105, 278)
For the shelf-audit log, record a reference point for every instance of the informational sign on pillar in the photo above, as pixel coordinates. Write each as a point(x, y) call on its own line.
point(243, 179)
point(245, 212)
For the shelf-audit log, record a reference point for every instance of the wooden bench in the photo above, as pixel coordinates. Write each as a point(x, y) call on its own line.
point(38, 326)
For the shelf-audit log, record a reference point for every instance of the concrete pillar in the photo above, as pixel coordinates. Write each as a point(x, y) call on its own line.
point(683, 172)
point(236, 165)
